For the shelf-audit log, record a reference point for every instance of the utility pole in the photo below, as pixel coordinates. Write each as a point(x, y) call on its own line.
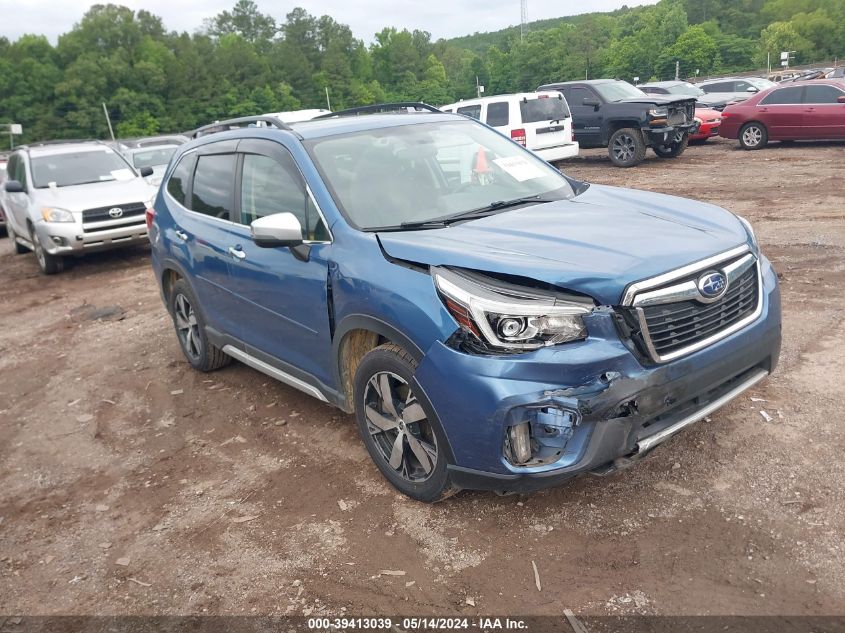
point(108, 120)
point(677, 70)
point(328, 103)
point(523, 19)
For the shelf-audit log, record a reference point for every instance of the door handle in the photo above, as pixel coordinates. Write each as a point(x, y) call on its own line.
point(237, 252)
point(182, 235)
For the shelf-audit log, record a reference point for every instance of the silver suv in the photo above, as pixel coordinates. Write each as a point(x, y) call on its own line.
point(69, 198)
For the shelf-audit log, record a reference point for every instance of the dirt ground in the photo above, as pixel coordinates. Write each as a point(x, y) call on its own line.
point(130, 484)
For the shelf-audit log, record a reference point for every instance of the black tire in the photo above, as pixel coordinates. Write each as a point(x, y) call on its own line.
point(753, 136)
point(387, 430)
point(49, 264)
point(10, 233)
point(675, 148)
point(189, 324)
point(626, 147)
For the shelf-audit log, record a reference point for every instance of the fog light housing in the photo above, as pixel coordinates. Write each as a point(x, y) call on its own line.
point(539, 434)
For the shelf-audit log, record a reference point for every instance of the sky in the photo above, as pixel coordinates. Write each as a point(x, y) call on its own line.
point(442, 19)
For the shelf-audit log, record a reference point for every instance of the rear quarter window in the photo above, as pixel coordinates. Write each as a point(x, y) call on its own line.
point(543, 109)
point(497, 113)
point(177, 186)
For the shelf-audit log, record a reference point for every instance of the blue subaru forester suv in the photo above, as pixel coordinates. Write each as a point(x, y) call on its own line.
point(491, 323)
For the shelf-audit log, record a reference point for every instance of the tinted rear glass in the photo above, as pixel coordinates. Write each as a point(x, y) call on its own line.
point(177, 186)
point(474, 111)
point(214, 186)
point(497, 113)
point(784, 96)
point(543, 109)
point(152, 157)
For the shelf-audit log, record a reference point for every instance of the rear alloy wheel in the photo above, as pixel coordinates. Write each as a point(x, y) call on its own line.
point(626, 147)
point(49, 264)
point(675, 148)
point(753, 136)
point(190, 330)
point(402, 438)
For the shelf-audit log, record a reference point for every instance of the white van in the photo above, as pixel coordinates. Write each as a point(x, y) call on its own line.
point(539, 121)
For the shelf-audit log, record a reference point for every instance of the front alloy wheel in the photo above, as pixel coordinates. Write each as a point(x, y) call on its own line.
point(399, 427)
point(401, 434)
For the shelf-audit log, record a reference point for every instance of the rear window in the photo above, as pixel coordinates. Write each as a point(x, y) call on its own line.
point(791, 95)
point(543, 109)
point(213, 192)
point(177, 186)
point(152, 157)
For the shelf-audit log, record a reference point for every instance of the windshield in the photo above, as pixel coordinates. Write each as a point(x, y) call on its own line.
point(79, 168)
point(685, 89)
point(760, 84)
point(618, 90)
point(385, 177)
point(152, 157)
point(544, 108)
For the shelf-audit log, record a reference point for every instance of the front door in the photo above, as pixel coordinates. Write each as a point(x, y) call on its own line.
point(586, 119)
point(282, 292)
point(824, 116)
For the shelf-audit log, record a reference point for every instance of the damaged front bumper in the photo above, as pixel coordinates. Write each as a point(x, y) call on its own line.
point(591, 406)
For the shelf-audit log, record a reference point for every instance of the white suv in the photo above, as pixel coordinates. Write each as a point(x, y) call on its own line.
point(69, 198)
point(540, 121)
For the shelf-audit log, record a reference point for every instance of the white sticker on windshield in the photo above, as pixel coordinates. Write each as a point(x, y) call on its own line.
point(519, 168)
point(122, 174)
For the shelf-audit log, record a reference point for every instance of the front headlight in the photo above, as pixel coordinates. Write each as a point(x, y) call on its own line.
point(510, 317)
point(52, 214)
point(659, 113)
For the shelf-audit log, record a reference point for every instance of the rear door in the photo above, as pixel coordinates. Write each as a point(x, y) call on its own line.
point(824, 116)
point(586, 119)
point(782, 112)
point(546, 120)
point(203, 221)
point(17, 204)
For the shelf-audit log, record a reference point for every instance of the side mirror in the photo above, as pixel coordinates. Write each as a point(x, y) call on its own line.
point(840, 99)
point(146, 172)
point(13, 186)
point(751, 89)
point(593, 103)
point(279, 229)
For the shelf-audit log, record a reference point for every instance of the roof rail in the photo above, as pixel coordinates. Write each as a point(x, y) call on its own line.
point(398, 107)
point(233, 124)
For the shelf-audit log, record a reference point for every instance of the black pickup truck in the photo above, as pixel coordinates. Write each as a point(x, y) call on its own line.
point(614, 114)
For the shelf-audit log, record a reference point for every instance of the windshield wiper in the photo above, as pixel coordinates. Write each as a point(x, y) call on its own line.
point(472, 214)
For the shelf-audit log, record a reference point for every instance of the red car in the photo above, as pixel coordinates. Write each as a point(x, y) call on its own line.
point(708, 125)
point(809, 110)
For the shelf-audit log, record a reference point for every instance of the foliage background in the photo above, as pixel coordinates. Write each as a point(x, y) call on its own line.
point(244, 62)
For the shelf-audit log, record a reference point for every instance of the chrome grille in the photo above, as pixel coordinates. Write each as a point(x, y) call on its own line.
point(668, 316)
point(101, 214)
point(674, 326)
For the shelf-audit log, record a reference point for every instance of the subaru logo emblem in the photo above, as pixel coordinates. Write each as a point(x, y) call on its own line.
point(712, 285)
point(116, 212)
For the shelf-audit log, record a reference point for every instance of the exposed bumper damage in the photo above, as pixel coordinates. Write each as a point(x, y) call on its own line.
point(619, 408)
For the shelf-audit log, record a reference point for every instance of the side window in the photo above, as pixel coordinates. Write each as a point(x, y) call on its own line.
point(785, 96)
point(722, 86)
point(177, 186)
point(822, 94)
point(497, 113)
point(269, 186)
point(474, 111)
point(742, 86)
point(11, 166)
point(20, 171)
point(213, 192)
point(578, 96)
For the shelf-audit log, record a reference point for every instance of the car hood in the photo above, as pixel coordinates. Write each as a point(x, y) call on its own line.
point(96, 195)
point(596, 243)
